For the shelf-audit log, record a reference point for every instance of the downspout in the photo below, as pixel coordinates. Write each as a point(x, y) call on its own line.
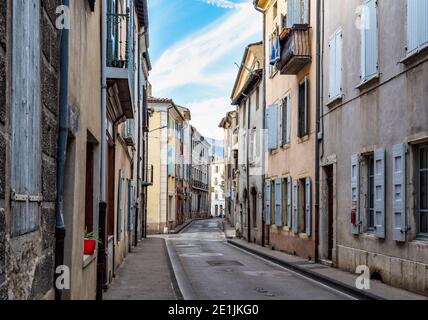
point(318, 131)
point(248, 170)
point(60, 228)
point(264, 117)
point(139, 146)
point(101, 266)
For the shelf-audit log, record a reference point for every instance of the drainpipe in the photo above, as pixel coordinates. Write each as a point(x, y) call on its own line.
point(101, 272)
point(318, 131)
point(61, 153)
point(264, 117)
point(248, 170)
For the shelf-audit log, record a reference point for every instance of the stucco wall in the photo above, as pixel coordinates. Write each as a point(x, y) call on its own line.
point(391, 110)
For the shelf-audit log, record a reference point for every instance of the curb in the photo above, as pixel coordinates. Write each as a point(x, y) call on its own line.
point(312, 275)
point(183, 226)
point(175, 286)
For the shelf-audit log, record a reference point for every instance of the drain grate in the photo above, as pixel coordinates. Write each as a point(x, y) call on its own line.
point(224, 263)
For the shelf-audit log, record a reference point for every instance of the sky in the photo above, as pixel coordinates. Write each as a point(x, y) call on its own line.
point(194, 45)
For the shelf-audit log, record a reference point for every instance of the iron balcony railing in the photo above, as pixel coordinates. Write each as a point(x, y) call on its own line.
point(118, 29)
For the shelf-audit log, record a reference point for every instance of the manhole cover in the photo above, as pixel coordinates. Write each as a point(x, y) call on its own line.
point(223, 263)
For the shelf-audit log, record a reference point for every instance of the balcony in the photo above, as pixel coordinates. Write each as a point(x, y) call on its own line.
point(119, 65)
point(295, 49)
point(128, 132)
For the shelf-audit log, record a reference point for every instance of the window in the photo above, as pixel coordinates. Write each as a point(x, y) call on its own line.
point(244, 115)
point(335, 66)
point(303, 109)
point(302, 203)
point(423, 190)
point(285, 119)
point(272, 127)
point(297, 12)
point(89, 190)
point(274, 52)
point(417, 25)
point(369, 54)
point(370, 193)
point(257, 98)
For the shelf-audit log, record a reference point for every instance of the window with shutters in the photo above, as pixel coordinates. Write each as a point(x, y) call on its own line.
point(89, 188)
point(369, 42)
point(335, 66)
point(272, 127)
point(286, 209)
point(303, 109)
point(274, 52)
point(297, 12)
point(417, 25)
point(370, 193)
point(301, 206)
point(422, 192)
point(286, 120)
point(119, 206)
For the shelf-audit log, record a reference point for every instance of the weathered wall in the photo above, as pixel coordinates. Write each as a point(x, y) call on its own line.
point(27, 262)
point(391, 110)
point(297, 159)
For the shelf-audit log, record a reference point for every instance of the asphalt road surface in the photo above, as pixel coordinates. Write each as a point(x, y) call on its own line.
point(207, 268)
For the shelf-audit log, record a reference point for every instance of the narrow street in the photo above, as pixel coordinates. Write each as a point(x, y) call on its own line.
point(207, 268)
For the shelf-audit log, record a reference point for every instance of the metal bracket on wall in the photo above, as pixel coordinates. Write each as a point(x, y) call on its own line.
point(18, 197)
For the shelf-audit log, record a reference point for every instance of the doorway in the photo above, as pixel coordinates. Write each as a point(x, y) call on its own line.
point(330, 207)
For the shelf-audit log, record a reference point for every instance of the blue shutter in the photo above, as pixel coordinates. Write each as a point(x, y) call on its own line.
point(296, 206)
point(272, 51)
point(417, 25)
point(277, 48)
point(268, 202)
point(119, 206)
point(290, 11)
point(379, 181)
point(399, 192)
point(278, 202)
point(289, 197)
point(171, 166)
point(308, 206)
point(355, 194)
point(306, 11)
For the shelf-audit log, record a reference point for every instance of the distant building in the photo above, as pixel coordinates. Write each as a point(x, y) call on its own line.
point(217, 186)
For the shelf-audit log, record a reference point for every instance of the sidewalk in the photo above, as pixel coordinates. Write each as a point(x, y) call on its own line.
point(229, 231)
point(144, 275)
point(333, 277)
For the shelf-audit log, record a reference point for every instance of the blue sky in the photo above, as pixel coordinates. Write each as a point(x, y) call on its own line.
point(194, 45)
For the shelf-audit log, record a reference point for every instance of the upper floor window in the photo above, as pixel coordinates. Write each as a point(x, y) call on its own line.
point(297, 12)
point(303, 112)
point(369, 46)
point(417, 25)
point(274, 52)
point(275, 10)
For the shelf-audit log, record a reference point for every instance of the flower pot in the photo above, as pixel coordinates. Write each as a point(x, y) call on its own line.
point(89, 246)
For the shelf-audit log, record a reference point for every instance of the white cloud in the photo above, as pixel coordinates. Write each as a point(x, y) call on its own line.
point(206, 115)
point(185, 63)
point(222, 3)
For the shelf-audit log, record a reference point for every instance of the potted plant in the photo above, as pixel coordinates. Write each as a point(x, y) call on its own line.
point(90, 243)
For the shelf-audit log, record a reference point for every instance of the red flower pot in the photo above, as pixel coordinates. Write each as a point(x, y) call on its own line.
point(89, 246)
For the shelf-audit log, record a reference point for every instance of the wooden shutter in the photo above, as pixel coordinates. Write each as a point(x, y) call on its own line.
point(399, 192)
point(306, 119)
point(273, 127)
point(268, 202)
point(338, 65)
point(278, 202)
point(119, 206)
point(308, 206)
point(332, 67)
point(369, 51)
point(281, 123)
point(379, 181)
point(355, 192)
point(25, 117)
point(296, 206)
point(289, 197)
point(288, 122)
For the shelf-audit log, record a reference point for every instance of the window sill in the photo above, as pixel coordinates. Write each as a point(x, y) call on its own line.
point(273, 74)
point(286, 146)
point(304, 139)
point(409, 59)
point(368, 82)
point(87, 260)
point(335, 101)
point(303, 236)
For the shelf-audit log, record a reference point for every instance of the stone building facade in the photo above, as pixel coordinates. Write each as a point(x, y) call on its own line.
point(28, 148)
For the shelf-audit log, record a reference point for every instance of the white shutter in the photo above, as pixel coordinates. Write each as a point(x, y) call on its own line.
point(332, 67)
point(289, 197)
point(369, 51)
point(296, 206)
point(308, 206)
point(306, 11)
point(355, 193)
point(399, 192)
point(379, 189)
point(338, 64)
point(417, 25)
